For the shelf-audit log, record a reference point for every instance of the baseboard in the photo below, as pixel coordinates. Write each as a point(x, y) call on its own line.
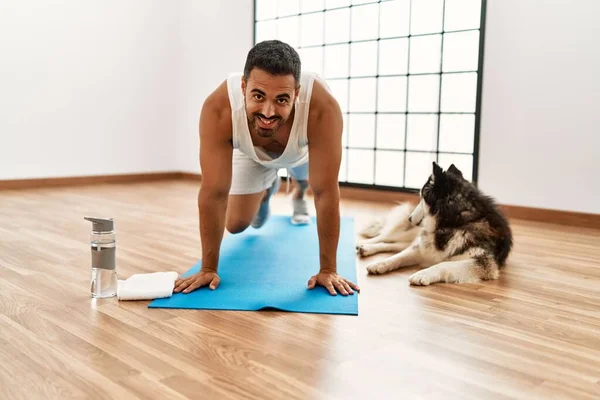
point(561, 217)
point(364, 194)
point(191, 176)
point(511, 211)
point(90, 180)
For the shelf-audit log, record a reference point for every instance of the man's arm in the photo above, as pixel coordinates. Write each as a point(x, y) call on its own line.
point(215, 161)
point(325, 154)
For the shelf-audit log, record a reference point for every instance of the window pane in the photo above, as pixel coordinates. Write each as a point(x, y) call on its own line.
point(426, 16)
point(425, 54)
point(397, 89)
point(312, 59)
point(362, 130)
point(418, 169)
point(422, 132)
point(266, 9)
point(312, 29)
point(390, 131)
point(463, 162)
point(345, 130)
point(339, 88)
point(362, 94)
point(337, 26)
point(266, 30)
point(459, 92)
point(423, 93)
point(393, 56)
point(461, 51)
point(389, 168)
point(287, 7)
point(337, 3)
point(394, 18)
point(457, 132)
point(288, 30)
point(462, 14)
point(364, 22)
point(343, 176)
point(312, 5)
point(391, 94)
point(364, 59)
point(336, 61)
point(360, 166)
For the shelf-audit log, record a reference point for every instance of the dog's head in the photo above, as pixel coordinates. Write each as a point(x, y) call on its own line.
point(444, 192)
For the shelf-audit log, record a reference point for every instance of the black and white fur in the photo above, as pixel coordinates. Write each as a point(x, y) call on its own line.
point(455, 232)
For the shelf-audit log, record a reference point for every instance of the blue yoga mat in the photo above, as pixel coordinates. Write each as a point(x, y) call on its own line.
point(269, 268)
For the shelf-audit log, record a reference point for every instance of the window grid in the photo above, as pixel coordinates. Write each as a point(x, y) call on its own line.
point(407, 95)
point(376, 98)
point(441, 74)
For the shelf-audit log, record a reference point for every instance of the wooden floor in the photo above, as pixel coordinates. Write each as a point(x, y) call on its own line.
point(533, 334)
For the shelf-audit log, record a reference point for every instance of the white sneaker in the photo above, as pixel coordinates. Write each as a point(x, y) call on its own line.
point(300, 216)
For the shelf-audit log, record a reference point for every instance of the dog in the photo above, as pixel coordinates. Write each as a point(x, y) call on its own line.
point(455, 232)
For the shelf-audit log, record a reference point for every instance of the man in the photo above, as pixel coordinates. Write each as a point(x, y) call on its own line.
point(272, 117)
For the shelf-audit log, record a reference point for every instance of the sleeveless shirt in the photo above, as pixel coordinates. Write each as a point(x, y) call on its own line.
point(296, 150)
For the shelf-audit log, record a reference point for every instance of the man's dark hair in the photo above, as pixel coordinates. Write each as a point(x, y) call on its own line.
point(274, 57)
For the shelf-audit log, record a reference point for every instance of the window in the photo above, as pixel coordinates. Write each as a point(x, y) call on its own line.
point(406, 73)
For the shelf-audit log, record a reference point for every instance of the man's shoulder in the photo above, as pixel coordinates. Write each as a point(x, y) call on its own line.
point(218, 99)
point(325, 115)
point(216, 110)
point(217, 106)
point(322, 102)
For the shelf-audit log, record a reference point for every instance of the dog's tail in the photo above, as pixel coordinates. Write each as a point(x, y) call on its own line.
point(373, 228)
point(396, 220)
point(399, 216)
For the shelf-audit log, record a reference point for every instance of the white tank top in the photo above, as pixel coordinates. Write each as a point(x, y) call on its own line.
point(296, 150)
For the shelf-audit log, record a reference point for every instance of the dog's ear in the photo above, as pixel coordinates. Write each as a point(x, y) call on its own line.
point(455, 171)
point(437, 170)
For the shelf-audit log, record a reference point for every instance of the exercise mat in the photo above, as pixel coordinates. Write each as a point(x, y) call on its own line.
point(269, 268)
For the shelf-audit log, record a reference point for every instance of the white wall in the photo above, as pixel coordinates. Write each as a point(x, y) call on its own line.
point(215, 37)
point(102, 87)
point(87, 87)
point(540, 131)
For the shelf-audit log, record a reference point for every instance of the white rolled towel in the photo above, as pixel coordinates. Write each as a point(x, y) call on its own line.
point(155, 285)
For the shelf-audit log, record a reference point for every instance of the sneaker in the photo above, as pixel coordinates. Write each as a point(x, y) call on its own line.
point(300, 216)
point(264, 211)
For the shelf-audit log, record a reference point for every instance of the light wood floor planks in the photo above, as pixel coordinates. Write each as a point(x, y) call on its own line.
point(533, 334)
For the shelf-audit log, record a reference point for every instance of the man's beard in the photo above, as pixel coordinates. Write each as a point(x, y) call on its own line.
point(265, 132)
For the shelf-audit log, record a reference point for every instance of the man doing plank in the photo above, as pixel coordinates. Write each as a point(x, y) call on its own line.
point(270, 117)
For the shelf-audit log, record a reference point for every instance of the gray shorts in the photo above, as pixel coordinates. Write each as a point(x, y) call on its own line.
point(249, 177)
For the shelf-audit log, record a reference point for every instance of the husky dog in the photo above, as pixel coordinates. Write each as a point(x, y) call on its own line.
point(455, 231)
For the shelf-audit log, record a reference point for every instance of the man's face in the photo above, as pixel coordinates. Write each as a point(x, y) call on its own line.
point(269, 101)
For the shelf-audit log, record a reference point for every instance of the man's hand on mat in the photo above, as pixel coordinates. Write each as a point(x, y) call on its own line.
point(332, 281)
point(196, 281)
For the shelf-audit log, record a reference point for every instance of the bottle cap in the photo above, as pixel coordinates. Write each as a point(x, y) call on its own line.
point(101, 224)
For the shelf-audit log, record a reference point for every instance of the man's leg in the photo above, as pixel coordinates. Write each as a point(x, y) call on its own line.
point(252, 186)
point(264, 208)
point(242, 210)
point(300, 176)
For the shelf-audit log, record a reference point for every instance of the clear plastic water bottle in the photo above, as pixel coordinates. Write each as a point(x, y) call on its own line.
point(103, 246)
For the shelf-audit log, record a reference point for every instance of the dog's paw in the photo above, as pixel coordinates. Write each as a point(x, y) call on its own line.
point(364, 250)
point(422, 278)
point(359, 249)
point(378, 268)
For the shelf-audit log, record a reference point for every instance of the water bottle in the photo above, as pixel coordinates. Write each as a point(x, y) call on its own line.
point(103, 247)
